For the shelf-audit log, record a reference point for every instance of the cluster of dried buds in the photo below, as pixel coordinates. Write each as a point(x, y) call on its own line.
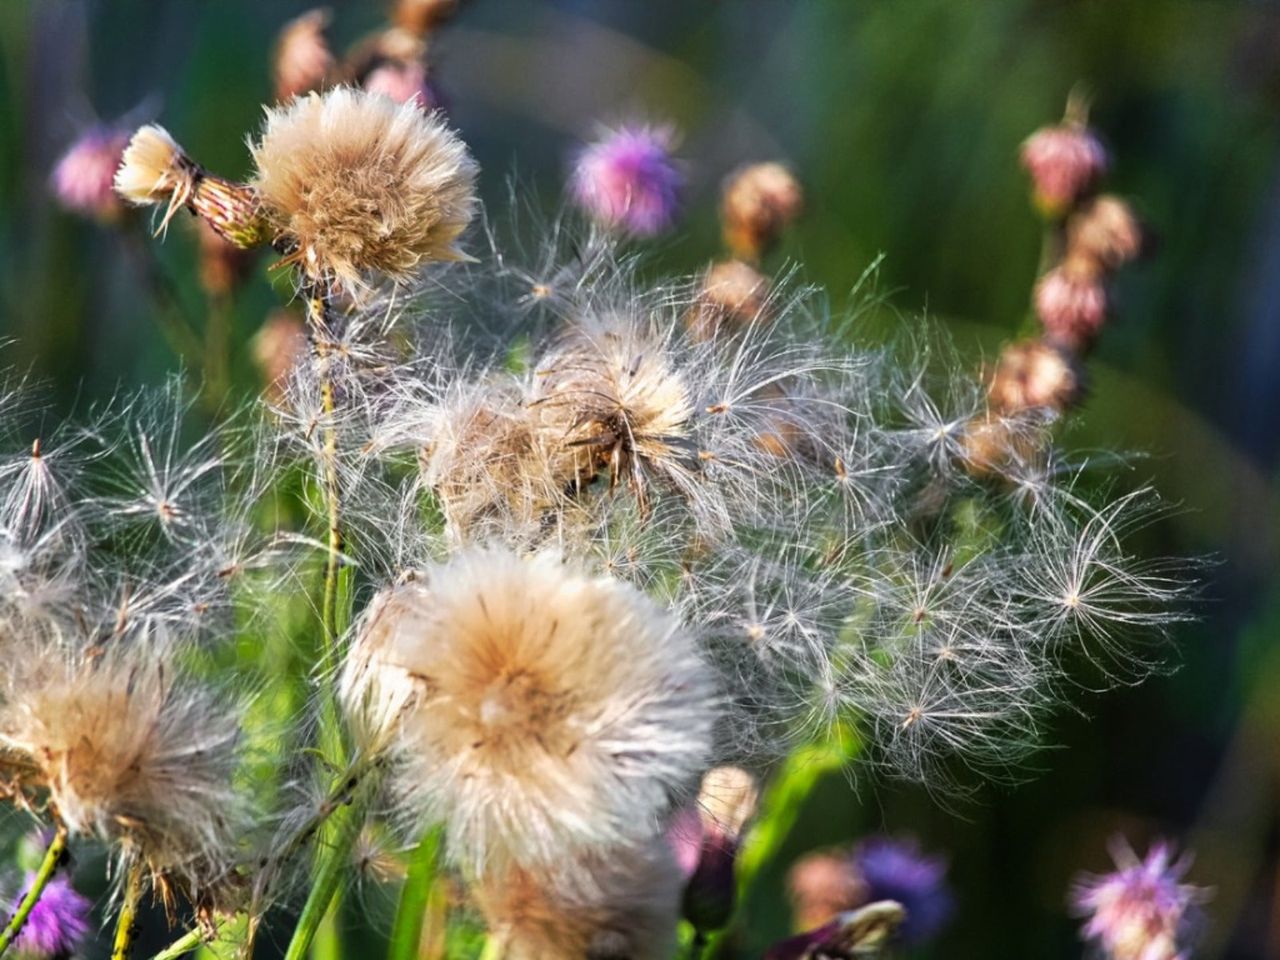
point(1090, 235)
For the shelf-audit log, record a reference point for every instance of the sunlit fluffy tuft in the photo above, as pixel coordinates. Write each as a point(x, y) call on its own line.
point(357, 185)
point(539, 712)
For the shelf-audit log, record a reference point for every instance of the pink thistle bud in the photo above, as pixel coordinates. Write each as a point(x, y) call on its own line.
point(1141, 911)
point(628, 179)
point(1033, 374)
point(1065, 162)
point(83, 179)
point(1071, 301)
point(403, 82)
point(1106, 230)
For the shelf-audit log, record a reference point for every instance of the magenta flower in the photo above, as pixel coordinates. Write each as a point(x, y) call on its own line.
point(628, 180)
point(1141, 911)
point(404, 82)
point(58, 922)
point(897, 870)
point(82, 180)
point(1065, 162)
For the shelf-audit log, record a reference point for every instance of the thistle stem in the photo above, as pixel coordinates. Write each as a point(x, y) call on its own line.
point(127, 922)
point(48, 867)
point(415, 895)
point(189, 941)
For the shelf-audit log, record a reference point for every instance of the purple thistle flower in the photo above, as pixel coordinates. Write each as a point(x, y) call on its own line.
point(897, 870)
point(1140, 911)
point(629, 180)
point(83, 179)
point(57, 923)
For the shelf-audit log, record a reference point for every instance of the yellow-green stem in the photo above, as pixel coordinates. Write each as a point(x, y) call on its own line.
point(127, 922)
point(48, 867)
point(189, 941)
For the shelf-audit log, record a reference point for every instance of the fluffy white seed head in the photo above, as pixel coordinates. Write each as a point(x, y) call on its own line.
point(538, 712)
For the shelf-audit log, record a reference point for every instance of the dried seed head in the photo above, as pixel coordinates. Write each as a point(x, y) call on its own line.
point(155, 170)
point(488, 463)
point(759, 202)
point(627, 179)
point(727, 799)
point(132, 755)
point(618, 903)
point(83, 180)
point(1105, 230)
point(992, 444)
point(732, 295)
point(356, 185)
point(302, 57)
point(612, 391)
point(1033, 373)
point(1065, 163)
point(537, 712)
point(1071, 301)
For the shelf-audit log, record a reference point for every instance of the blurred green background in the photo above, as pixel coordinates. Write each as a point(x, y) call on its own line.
point(904, 120)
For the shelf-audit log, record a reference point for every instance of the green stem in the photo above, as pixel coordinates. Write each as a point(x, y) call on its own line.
point(494, 948)
point(48, 867)
point(406, 931)
point(189, 941)
point(333, 867)
point(127, 922)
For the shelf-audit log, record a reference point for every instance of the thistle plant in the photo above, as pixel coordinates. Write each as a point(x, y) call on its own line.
point(549, 586)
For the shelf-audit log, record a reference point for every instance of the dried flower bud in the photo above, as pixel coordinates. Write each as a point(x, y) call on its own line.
point(759, 202)
point(420, 17)
point(1105, 230)
point(858, 933)
point(628, 180)
point(302, 57)
point(404, 82)
point(1065, 163)
point(822, 886)
point(1034, 373)
point(1071, 301)
point(356, 185)
point(733, 295)
point(155, 170)
point(992, 444)
point(83, 180)
point(277, 347)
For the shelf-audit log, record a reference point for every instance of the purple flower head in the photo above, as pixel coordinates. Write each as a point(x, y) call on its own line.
point(628, 179)
point(83, 179)
point(1141, 911)
point(897, 870)
point(58, 922)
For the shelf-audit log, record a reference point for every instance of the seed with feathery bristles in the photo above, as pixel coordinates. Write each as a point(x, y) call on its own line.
point(355, 184)
point(130, 753)
point(538, 712)
point(612, 390)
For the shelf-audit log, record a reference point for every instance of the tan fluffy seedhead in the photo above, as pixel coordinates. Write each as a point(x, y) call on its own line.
point(155, 170)
point(612, 391)
point(357, 186)
point(132, 755)
point(538, 712)
point(489, 465)
point(628, 907)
